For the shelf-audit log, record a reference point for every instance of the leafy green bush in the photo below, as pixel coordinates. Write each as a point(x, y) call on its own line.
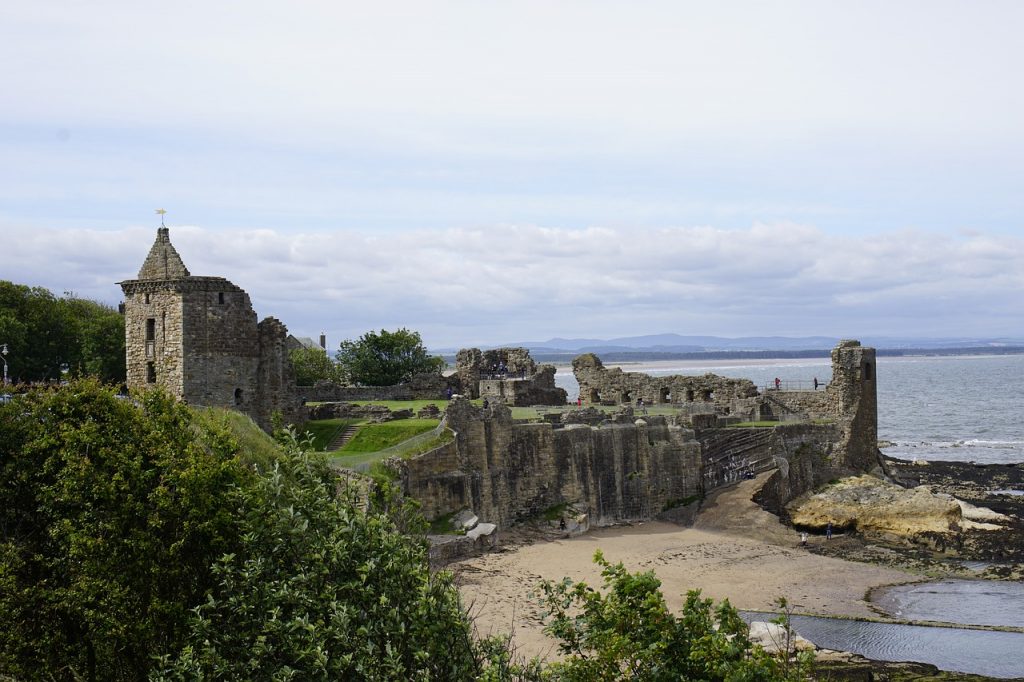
point(321, 589)
point(112, 513)
point(628, 632)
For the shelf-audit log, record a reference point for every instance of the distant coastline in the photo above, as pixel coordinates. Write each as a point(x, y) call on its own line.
point(565, 357)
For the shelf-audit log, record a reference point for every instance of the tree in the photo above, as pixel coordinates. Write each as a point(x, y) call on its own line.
point(312, 365)
point(325, 587)
point(112, 513)
point(386, 358)
point(45, 333)
point(629, 633)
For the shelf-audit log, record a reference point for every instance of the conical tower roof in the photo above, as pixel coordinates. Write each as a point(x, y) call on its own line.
point(163, 261)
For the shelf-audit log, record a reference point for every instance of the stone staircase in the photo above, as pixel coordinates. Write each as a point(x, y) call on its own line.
point(343, 436)
point(732, 454)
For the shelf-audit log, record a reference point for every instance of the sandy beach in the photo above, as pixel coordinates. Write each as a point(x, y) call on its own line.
point(734, 550)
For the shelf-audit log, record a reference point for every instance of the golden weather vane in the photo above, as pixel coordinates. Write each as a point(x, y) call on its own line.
point(160, 212)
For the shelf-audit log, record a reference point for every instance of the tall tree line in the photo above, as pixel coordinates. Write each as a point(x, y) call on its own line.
point(45, 333)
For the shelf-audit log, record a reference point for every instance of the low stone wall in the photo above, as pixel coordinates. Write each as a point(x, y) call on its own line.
point(600, 385)
point(420, 387)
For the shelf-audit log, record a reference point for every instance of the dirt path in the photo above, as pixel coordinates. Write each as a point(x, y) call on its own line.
point(735, 550)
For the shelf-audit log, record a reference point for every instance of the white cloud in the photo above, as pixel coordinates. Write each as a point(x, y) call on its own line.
point(494, 284)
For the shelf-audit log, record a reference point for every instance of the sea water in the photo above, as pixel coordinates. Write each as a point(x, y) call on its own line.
point(965, 408)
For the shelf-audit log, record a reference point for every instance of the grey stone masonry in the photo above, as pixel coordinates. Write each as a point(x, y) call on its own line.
point(508, 375)
point(198, 337)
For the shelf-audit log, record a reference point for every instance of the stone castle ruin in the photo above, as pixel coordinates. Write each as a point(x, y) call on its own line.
point(198, 338)
point(507, 375)
point(625, 466)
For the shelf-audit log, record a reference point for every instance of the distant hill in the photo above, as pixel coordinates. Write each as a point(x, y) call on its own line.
point(677, 346)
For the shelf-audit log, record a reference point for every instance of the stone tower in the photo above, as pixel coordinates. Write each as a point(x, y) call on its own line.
point(854, 394)
point(199, 339)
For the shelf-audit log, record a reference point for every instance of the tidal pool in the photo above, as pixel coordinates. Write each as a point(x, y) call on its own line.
point(964, 602)
point(981, 652)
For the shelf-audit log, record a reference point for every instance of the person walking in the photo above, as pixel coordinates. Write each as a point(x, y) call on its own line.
point(828, 531)
point(815, 383)
point(778, 383)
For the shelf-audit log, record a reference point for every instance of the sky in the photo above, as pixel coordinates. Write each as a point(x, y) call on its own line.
point(489, 172)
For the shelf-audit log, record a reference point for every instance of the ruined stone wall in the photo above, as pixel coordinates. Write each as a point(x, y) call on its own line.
point(600, 385)
point(785, 405)
point(624, 468)
point(275, 378)
point(506, 472)
point(507, 375)
point(854, 400)
point(426, 386)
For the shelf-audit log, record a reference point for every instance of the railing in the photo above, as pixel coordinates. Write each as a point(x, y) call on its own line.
point(797, 385)
point(492, 376)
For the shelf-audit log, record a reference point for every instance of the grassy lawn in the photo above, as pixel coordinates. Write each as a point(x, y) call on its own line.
point(367, 445)
point(395, 405)
point(324, 430)
point(375, 437)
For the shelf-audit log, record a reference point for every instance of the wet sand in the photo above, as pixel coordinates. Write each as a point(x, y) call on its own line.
point(734, 550)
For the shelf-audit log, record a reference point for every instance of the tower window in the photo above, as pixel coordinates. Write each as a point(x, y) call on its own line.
point(220, 298)
point(150, 329)
point(150, 373)
point(145, 298)
point(238, 396)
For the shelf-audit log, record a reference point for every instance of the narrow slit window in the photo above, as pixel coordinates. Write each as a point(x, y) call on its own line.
point(150, 373)
point(220, 298)
point(150, 329)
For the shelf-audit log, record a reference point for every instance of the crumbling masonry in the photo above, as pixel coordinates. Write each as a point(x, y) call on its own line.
point(629, 467)
point(507, 375)
point(198, 338)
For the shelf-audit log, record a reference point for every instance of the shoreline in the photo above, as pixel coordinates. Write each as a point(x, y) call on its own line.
point(735, 550)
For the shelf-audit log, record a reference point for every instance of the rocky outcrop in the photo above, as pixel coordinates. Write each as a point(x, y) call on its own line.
point(872, 506)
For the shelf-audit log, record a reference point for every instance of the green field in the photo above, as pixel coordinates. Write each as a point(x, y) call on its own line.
point(375, 437)
point(324, 430)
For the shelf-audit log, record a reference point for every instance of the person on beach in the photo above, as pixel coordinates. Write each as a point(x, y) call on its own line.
point(828, 531)
point(803, 539)
point(815, 383)
point(778, 383)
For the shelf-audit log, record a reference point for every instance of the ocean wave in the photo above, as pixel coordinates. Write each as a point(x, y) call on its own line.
point(966, 443)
